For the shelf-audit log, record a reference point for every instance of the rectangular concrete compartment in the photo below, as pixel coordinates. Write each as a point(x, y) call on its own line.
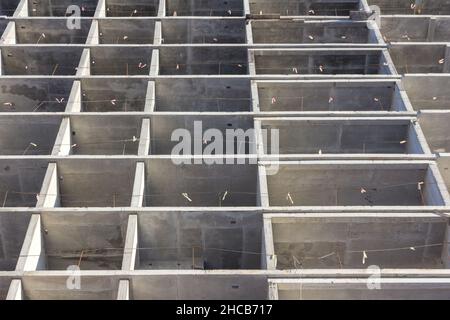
point(419, 58)
point(21, 182)
point(176, 31)
point(113, 95)
point(199, 240)
point(358, 289)
point(120, 61)
point(98, 135)
point(40, 60)
point(355, 184)
point(428, 91)
point(204, 8)
point(55, 288)
point(313, 32)
point(337, 241)
point(93, 241)
point(55, 31)
point(131, 8)
point(321, 61)
point(13, 227)
point(304, 8)
point(204, 184)
point(44, 8)
point(434, 7)
point(415, 28)
point(343, 136)
point(435, 128)
point(34, 95)
point(164, 136)
point(28, 135)
point(203, 61)
point(324, 96)
point(203, 95)
point(92, 183)
point(126, 31)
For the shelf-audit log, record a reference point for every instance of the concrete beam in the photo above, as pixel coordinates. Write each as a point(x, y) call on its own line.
point(21, 10)
point(93, 35)
point(74, 101)
point(145, 138)
point(124, 290)
point(154, 64)
point(49, 196)
point(162, 8)
point(150, 97)
point(446, 68)
point(273, 291)
point(138, 197)
point(84, 67)
point(100, 11)
point(269, 254)
point(9, 35)
point(262, 189)
point(15, 291)
point(63, 144)
point(431, 29)
point(158, 37)
point(131, 249)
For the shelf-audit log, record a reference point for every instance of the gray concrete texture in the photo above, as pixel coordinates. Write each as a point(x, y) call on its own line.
point(360, 178)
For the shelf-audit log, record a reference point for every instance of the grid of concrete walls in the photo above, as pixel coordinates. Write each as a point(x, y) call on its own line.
point(95, 207)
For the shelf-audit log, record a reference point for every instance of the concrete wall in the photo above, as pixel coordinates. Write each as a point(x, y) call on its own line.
point(334, 241)
point(358, 185)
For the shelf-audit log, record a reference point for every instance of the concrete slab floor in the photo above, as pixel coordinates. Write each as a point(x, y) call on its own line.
point(354, 185)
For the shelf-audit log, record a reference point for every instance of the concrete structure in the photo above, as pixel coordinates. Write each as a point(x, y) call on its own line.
point(352, 204)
